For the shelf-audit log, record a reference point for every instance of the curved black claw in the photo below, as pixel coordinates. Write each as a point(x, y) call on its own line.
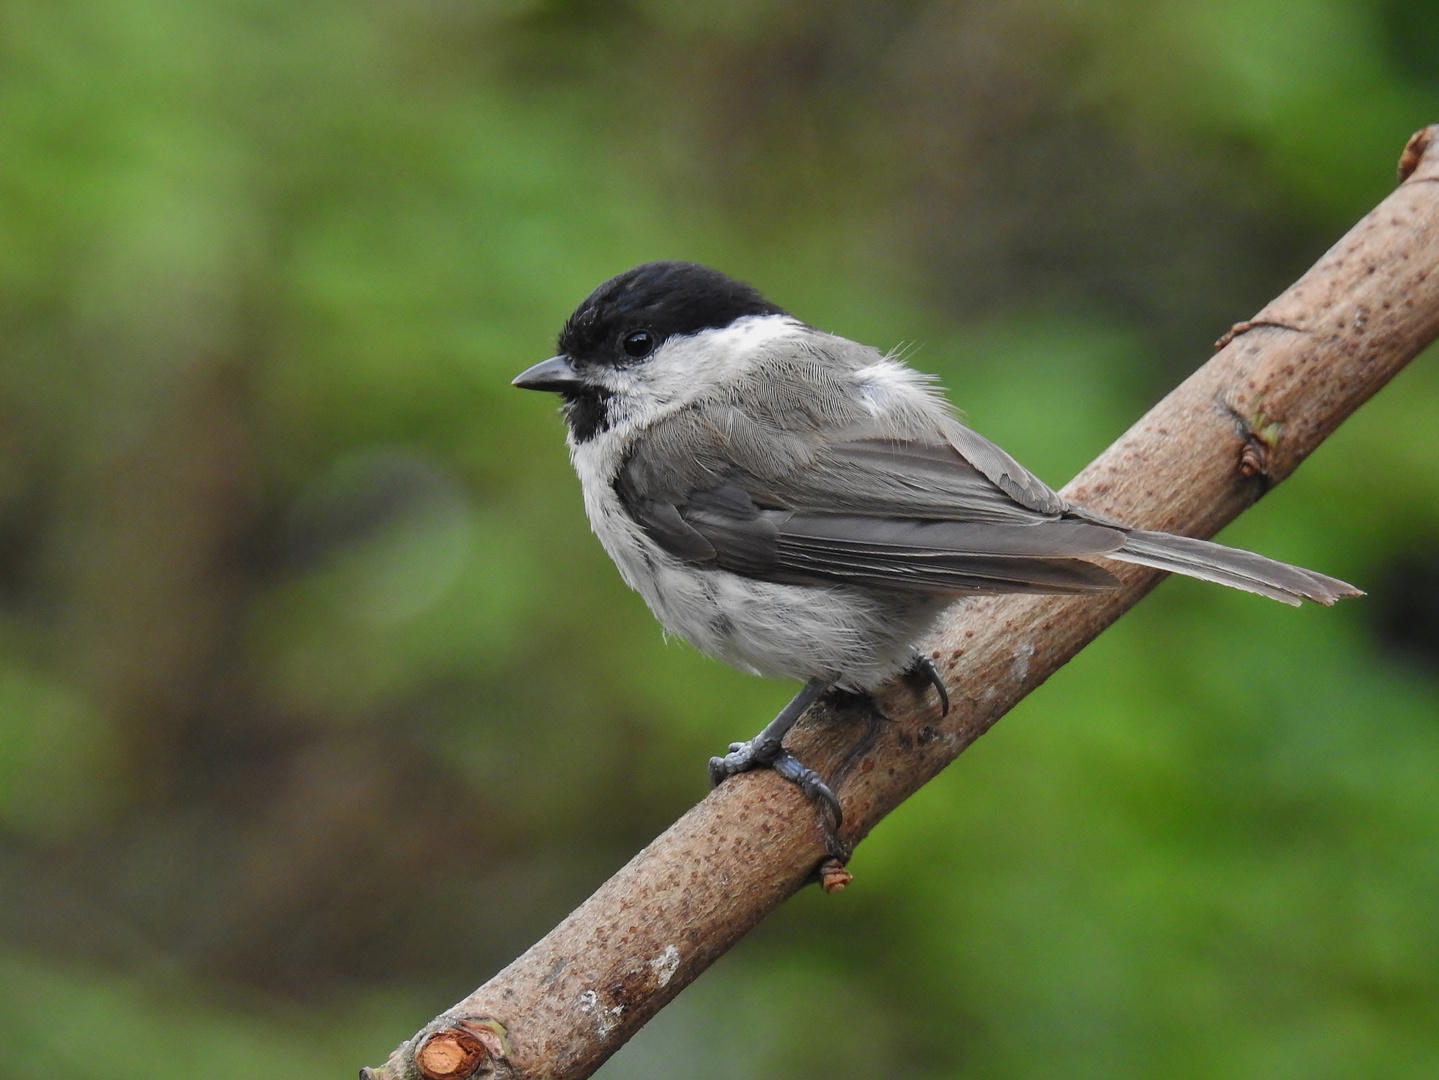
point(924, 667)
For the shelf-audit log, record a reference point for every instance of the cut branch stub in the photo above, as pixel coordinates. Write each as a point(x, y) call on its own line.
point(450, 1049)
point(452, 1054)
point(1415, 149)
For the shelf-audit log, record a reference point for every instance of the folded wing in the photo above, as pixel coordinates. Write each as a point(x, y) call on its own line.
point(727, 528)
point(917, 516)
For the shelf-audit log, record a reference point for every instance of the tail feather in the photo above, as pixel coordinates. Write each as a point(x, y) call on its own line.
point(1234, 567)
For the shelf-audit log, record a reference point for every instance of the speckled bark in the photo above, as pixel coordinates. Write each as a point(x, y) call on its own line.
point(1282, 383)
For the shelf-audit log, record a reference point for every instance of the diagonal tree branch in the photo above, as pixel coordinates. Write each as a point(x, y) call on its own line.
point(1279, 385)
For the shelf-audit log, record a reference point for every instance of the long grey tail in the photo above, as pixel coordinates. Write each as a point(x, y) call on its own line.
point(1234, 567)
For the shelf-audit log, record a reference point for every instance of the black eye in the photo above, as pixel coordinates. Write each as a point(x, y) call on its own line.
point(638, 343)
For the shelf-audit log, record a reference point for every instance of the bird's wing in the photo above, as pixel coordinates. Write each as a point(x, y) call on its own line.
point(908, 479)
point(823, 474)
point(1008, 475)
point(835, 464)
point(875, 540)
point(837, 418)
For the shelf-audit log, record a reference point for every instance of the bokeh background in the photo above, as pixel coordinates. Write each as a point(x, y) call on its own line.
point(319, 703)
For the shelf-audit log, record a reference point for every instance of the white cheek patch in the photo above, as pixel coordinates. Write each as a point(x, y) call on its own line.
point(685, 367)
point(743, 337)
point(882, 387)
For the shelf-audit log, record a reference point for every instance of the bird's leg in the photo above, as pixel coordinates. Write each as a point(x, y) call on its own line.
point(923, 668)
point(767, 750)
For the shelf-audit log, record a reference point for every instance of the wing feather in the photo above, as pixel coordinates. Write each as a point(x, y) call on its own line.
point(899, 479)
point(726, 528)
point(820, 473)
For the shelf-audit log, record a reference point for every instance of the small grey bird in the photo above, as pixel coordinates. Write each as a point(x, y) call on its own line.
point(802, 506)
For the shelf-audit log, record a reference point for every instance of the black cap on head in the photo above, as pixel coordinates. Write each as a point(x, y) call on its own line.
point(631, 314)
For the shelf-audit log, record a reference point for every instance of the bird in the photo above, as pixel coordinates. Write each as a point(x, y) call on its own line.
point(803, 506)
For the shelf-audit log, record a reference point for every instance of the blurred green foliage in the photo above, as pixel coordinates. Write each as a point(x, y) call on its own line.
point(318, 702)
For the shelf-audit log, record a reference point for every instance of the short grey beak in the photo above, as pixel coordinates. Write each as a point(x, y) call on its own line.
point(555, 375)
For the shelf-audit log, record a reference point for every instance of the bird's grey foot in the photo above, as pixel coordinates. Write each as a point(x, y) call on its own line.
point(766, 751)
point(923, 667)
point(808, 781)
